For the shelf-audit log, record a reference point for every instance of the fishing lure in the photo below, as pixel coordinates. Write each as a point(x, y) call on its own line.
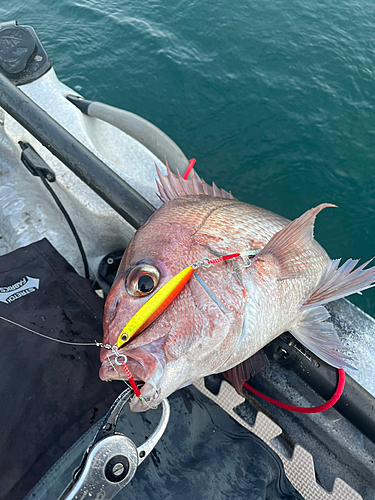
point(163, 297)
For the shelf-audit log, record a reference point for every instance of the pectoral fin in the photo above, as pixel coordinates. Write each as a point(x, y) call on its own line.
point(289, 246)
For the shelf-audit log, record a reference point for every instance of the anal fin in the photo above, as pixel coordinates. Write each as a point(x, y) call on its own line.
point(320, 337)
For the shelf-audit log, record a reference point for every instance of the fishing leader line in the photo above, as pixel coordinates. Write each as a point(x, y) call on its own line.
point(317, 409)
point(96, 344)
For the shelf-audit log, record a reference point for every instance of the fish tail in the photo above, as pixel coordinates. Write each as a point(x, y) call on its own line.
point(336, 283)
point(312, 329)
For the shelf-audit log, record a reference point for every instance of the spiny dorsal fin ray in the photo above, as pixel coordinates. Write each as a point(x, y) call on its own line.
point(336, 283)
point(289, 245)
point(171, 186)
point(320, 337)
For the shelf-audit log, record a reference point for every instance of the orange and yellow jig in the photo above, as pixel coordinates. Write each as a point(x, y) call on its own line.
point(158, 302)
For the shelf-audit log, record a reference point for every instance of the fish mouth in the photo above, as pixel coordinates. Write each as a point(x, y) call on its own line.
point(149, 397)
point(110, 370)
point(145, 365)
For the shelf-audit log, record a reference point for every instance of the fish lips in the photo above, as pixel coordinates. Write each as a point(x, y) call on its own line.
point(110, 370)
point(150, 398)
point(146, 364)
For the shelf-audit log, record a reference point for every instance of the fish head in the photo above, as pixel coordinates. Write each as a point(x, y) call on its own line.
point(193, 336)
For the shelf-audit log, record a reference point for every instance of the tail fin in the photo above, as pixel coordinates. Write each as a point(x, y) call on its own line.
point(336, 283)
point(313, 330)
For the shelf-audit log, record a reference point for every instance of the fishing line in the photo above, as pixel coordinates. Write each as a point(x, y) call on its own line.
point(133, 385)
point(95, 343)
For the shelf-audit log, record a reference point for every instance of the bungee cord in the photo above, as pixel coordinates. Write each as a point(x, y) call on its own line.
point(305, 409)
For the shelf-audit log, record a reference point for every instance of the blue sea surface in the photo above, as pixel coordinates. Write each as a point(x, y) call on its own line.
point(275, 98)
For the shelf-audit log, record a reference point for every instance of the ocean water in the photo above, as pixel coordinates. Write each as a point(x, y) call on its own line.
point(275, 98)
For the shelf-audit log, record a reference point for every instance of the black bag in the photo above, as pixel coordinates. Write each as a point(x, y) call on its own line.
point(50, 392)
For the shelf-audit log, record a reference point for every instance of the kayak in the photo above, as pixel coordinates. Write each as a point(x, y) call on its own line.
point(77, 179)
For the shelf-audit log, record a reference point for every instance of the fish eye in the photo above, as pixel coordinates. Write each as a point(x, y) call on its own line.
point(142, 280)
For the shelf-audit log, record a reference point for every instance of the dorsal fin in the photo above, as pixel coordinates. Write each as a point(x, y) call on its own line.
point(171, 186)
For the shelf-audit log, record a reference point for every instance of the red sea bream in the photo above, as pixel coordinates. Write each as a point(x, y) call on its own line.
point(229, 311)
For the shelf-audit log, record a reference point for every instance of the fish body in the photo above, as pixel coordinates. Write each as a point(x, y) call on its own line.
point(226, 312)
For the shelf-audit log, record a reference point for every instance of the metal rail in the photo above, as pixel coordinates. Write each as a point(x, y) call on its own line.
point(135, 209)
